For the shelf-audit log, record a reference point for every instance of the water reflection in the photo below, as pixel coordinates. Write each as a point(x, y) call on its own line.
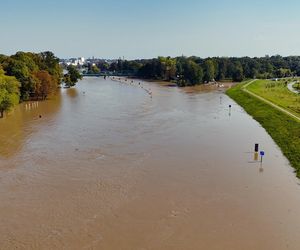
point(256, 161)
point(261, 169)
point(72, 92)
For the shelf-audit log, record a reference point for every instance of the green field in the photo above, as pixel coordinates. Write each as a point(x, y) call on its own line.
point(278, 93)
point(284, 129)
point(297, 85)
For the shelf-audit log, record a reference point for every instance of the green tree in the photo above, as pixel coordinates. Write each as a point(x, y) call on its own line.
point(28, 59)
point(95, 69)
point(283, 73)
point(222, 69)
point(49, 62)
point(19, 69)
point(238, 74)
point(188, 72)
point(209, 70)
point(193, 73)
point(72, 77)
point(9, 92)
point(24, 66)
point(168, 68)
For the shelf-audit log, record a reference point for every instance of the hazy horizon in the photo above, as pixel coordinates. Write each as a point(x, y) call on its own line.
point(146, 29)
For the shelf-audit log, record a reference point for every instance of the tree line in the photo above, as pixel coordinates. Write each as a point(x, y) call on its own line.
point(25, 76)
point(186, 71)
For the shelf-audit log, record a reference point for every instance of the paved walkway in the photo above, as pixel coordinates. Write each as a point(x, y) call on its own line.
point(244, 88)
point(291, 88)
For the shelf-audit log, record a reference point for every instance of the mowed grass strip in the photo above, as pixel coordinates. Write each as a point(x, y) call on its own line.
point(284, 129)
point(278, 93)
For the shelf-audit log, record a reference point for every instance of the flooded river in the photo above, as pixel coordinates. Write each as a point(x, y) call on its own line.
point(108, 167)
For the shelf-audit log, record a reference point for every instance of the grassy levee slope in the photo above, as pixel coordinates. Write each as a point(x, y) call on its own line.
point(284, 129)
point(278, 93)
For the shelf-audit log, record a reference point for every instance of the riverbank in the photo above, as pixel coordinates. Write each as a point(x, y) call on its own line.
point(198, 87)
point(213, 86)
point(282, 128)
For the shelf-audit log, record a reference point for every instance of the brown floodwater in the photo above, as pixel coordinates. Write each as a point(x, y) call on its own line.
point(108, 167)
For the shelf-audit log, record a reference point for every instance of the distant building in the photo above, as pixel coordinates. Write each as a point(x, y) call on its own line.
point(74, 61)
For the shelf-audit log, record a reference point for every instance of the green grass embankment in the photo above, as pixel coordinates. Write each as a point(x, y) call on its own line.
point(284, 129)
point(278, 93)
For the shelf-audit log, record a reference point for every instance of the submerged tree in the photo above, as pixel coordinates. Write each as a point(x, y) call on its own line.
point(45, 85)
point(72, 77)
point(25, 65)
point(9, 92)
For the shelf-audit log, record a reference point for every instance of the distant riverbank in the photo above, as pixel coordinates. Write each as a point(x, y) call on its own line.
point(221, 86)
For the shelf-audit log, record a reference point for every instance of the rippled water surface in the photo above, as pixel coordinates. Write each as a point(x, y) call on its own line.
point(108, 167)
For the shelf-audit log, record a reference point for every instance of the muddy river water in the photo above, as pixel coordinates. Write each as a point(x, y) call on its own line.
point(108, 167)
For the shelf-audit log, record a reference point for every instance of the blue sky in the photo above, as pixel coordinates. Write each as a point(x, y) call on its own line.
point(148, 28)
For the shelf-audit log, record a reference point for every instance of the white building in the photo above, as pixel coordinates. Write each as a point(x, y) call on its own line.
point(76, 61)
